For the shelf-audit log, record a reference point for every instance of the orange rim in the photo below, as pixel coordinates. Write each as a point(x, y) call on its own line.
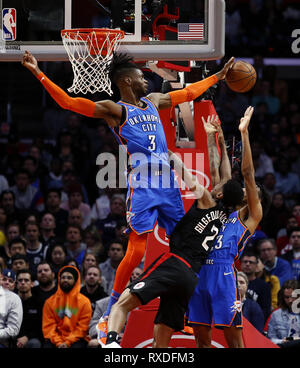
point(101, 33)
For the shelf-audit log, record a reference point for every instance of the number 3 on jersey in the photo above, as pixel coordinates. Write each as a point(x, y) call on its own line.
point(152, 146)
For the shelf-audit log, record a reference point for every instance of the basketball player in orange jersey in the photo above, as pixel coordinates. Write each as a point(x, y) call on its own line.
point(136, 124)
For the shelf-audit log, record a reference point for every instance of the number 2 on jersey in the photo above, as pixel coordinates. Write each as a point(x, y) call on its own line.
point(208, 238)
point(152, 146)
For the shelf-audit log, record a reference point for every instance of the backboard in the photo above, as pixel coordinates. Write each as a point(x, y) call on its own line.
point(155, 29)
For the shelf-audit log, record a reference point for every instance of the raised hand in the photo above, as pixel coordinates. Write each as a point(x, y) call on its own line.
point(30, 62)
point(245, 120)
point(211, 125)
point(222, 73)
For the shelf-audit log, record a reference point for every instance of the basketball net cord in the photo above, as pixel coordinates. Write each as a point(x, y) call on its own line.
point(90, 59)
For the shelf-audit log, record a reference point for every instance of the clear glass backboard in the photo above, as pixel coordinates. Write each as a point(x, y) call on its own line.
point(155, 29)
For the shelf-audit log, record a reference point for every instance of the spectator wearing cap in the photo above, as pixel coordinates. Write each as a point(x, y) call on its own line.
point(8, 279)
point(75, 201)
point(67, 313)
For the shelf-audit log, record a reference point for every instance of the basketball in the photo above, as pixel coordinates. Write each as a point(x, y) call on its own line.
point(241, 77)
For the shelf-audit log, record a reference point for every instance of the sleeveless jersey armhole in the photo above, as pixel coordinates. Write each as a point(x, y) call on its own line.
point(123, 116)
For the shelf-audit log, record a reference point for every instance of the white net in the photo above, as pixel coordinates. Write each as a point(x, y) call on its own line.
point(90, 53)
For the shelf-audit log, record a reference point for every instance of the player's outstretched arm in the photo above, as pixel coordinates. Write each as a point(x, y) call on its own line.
point(219, 164)
point(83, 106)
point(192, 91)
point(254, 205)
point(200, 192)
point(213, 152)
point(225, 167)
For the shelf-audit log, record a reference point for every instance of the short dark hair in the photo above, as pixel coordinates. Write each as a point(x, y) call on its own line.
point(30, 158)
point(120, 64)
point(7, 191)
point(115, 241)
point(22, 172)
point(76, 227)
point(46, 262)
point(249, 253)
point(290, 231)
point(24, 271)
point(53, 190)
point(17, 240)
point(232, 193)
point(19, 256)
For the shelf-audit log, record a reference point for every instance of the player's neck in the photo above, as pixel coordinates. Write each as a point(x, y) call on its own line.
point(131, 98)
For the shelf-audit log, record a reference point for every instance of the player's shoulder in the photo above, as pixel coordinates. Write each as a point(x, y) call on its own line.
point(233, 214)
point(154, 96)
point(158, 99)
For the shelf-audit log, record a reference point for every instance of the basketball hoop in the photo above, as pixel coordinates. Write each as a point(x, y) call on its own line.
point(90, 51)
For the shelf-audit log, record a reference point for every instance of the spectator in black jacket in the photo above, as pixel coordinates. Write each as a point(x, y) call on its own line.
point(30, 332)
point(93, 288)
point(46, 287)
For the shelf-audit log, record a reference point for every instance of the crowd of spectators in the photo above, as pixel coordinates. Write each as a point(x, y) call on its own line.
point(274, 22)
point(52, 214)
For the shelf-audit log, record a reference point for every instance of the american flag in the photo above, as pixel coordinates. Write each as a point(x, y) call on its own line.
point(190, 31)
